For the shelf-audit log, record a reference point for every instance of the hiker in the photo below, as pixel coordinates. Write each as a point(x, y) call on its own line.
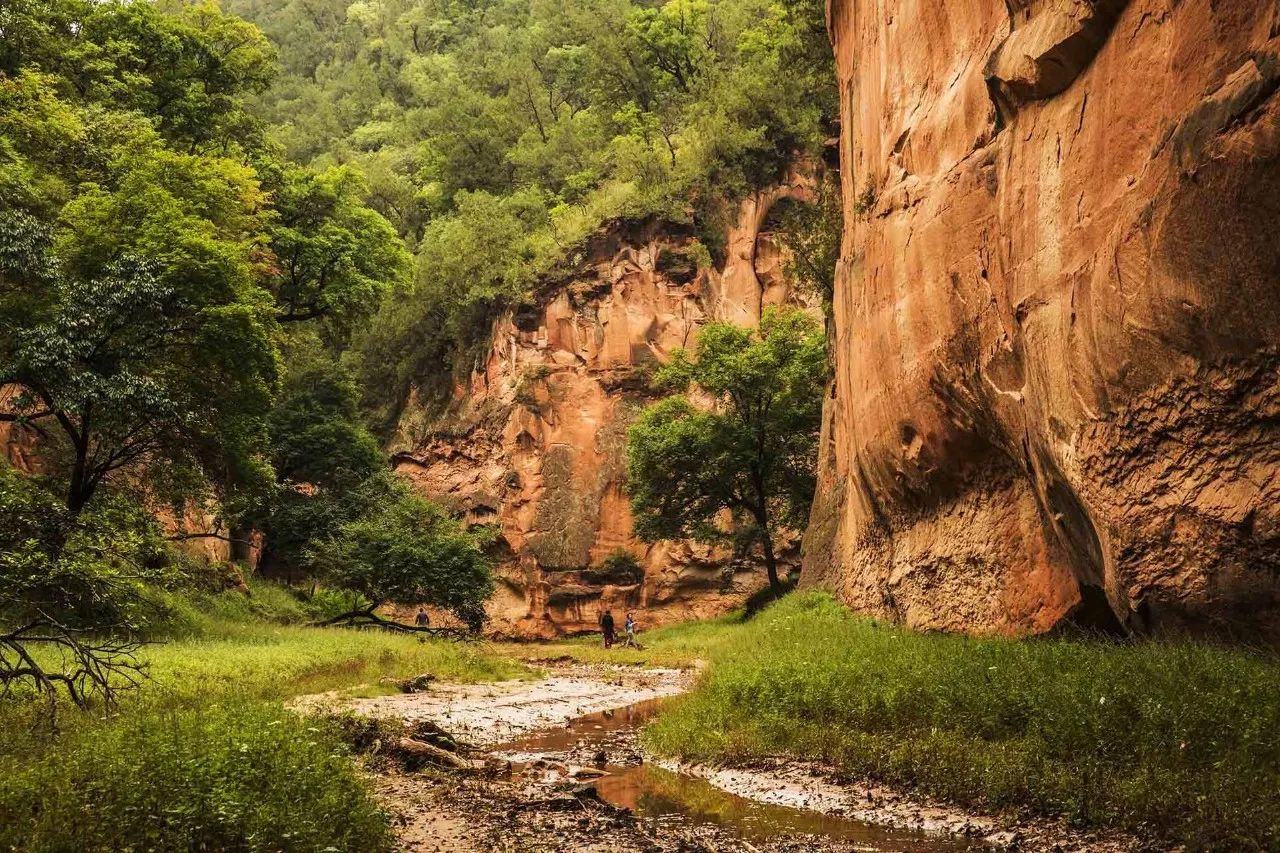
point(606, 627)
point(629, 625)
point(422, 620)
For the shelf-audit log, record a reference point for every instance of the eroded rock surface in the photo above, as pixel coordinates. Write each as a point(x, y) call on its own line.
point(536, 444)
point(1057, 383)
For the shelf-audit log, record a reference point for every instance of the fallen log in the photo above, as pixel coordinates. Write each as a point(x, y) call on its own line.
point(419, 751)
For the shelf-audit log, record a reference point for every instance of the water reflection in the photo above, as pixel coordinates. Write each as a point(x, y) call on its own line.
point(658, 796)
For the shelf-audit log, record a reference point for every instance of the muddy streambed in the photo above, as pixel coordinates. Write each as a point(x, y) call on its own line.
point(556, 766)
point(663, 798)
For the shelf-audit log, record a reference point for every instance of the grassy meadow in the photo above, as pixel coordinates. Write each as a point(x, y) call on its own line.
point(1179, 743)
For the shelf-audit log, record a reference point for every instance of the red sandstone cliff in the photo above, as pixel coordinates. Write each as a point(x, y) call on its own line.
point(536, 444)
point(1057, 316)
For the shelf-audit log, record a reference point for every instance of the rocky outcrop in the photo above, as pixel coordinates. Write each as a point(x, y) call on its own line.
point(536, 443)
point(1057, 382)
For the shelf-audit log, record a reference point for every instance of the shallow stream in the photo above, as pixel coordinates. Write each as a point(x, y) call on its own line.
point(606, 742)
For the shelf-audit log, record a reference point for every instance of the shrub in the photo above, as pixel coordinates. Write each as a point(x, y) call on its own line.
point(231, 776)
point(620, 567)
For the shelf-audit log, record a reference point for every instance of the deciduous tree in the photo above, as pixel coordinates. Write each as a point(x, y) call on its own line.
point(744, 441)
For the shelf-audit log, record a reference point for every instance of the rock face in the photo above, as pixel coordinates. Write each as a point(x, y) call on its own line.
point(1057, 384)
point(536, 444)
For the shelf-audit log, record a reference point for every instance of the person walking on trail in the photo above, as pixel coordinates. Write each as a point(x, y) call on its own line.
point(422, 620)
point(606, 628)
point(629, 626)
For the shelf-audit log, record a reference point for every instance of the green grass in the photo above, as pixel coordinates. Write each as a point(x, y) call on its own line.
point(272, 661)
point(227, 776)
point(1176, 741)
point(205, 755)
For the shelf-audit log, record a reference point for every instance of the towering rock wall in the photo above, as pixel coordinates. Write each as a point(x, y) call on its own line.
point(1057, 316)
point(536, 443)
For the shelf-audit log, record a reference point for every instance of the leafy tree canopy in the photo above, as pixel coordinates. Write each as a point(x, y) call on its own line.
point(499, 135)
point(744, 443)
point(151, 243)
point(335, 257)
point(322, 455)
point(405, 550)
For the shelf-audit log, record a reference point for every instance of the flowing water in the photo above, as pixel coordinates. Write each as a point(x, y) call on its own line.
point(606, 742)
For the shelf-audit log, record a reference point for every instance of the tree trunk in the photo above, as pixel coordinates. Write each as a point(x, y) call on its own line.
point(241, 543)
point(78, 490)
point(770, 562)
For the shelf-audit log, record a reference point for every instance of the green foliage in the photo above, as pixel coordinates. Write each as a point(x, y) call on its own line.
point(1178, 740)
point(184, 65)
point(152, 238)
point(620, 567)
point(404, 549)
point(499, 136)
point(811, 234)
point(132, 371)
point(185, 612)
point(321, 454)
point(752, 452)
point(133, 327)
point(151, 243)
point(335, 257)
point(316, 437)
point(86, 570)
point(230, 776)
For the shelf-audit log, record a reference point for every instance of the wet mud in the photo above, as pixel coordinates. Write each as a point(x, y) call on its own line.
point(555, 765)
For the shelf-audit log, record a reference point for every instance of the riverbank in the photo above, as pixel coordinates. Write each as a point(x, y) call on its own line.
point(205, 756)
point(531, 765)
point(1177, 743)
point(806, 707)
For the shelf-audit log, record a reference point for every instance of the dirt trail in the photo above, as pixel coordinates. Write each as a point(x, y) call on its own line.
point(559, 770)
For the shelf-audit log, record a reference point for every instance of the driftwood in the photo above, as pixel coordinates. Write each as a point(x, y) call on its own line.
point(84, 664)
point(420, 751)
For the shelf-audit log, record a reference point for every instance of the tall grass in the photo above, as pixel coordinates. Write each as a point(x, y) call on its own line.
point(227, 776)
point(274, 661)
point(1180, 741)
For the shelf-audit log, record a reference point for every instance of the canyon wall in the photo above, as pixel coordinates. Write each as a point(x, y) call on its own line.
point(1056, 318)
point(536, 443)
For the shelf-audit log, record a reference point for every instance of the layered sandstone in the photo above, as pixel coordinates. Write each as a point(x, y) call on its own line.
point(1057, 384)
point(536, 444)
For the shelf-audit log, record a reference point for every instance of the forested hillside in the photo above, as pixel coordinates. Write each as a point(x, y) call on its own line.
point(497, 136)
point(232, 247)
